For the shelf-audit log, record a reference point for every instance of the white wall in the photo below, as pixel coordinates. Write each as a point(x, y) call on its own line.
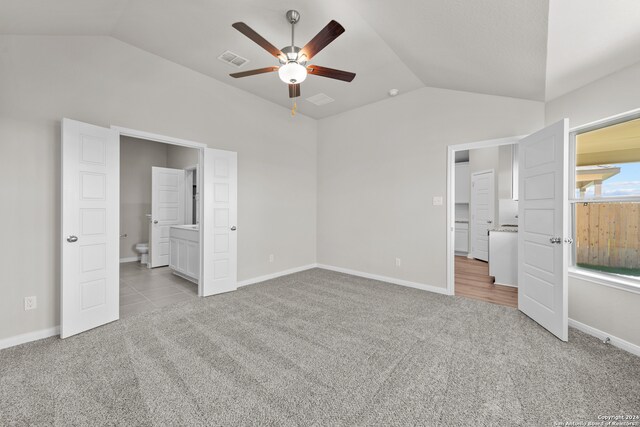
point(380, 165)
point(137, 157)
point(614, 94)
point(612, 311)
point(103, 81)
point(504, 175)
point(375, 168)
point(181, 157)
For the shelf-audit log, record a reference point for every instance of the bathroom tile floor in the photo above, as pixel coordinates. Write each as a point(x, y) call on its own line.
point(143, 289)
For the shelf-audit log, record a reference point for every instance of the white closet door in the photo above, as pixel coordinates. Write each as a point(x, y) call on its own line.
point(90, 227)
point(219, 255)
point(482, 213)
point(543, 252)
point(167, 209)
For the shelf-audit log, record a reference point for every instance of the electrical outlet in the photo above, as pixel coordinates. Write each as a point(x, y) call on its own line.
point(398, 262)
point(30, 303)
point(271, 258)
point(437, 200)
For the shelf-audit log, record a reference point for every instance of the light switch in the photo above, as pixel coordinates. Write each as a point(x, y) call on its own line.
point(437, 200)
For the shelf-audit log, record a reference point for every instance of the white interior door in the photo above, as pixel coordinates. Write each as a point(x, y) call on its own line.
point(482, 207)
point(167, 209)
point(543, 228)
point(90, 227)
point(219, 254)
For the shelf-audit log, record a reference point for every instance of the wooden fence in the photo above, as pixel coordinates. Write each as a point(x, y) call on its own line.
point(607, 234)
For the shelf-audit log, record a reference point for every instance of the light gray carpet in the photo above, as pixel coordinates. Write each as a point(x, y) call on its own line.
point(318, 348)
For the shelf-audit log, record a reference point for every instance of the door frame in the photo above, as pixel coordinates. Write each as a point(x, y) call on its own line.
point(451, 185)
point(183, 143)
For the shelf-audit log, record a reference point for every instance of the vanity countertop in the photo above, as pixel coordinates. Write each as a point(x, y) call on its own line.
point(193, 227)
point(507, 229)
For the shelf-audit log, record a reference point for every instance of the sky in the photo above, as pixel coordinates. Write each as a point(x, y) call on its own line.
point(626, 183)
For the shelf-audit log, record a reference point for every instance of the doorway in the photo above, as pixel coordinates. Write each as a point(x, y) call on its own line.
point(90, 196)
point(543, 239)
point(153, 200)
point(483, 192)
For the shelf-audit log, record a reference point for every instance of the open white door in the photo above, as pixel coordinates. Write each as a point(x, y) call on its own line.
point(219, 254)
point(482, 212)
point(90, 227)
point(167, 209)
point(543, 228)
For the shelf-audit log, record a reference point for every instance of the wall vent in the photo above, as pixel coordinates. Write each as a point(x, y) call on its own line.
point(320, 99)
point(233, 59)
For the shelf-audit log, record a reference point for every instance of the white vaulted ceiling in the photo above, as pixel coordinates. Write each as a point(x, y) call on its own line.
point(517, 48)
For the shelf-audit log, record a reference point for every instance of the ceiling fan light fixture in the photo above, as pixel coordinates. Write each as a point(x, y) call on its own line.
point(293, 59)
point(292, 72)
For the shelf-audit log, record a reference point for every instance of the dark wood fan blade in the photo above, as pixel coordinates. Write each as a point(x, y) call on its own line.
point(317, 70)
point(322, 39)
point(257, 38)
point(294, 90)
point(254, 72)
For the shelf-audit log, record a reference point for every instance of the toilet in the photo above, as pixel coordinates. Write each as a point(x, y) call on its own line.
point(143, 250)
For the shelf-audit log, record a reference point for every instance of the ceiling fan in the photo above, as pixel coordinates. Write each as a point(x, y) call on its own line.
point(293, 60)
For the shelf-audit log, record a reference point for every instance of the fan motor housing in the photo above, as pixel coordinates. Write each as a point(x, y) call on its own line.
point(292, 55)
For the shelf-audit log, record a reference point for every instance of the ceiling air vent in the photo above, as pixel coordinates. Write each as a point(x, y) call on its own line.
point(320, 99)
point(233, 59)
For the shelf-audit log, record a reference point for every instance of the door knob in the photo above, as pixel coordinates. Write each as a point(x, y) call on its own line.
point(556, 240)
point(155, 221)
point(72, 239)
point(233, 228)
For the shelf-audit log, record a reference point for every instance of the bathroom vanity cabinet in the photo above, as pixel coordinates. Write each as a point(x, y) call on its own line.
point(184, 251)
point(503, 255)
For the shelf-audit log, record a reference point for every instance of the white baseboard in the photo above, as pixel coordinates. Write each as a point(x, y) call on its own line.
point(130, 259)
point(275, 275)
point(28, 337)
point(400, 282)
point(618, 342)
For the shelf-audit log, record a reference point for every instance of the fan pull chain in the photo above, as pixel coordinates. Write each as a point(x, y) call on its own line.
point(294, 108)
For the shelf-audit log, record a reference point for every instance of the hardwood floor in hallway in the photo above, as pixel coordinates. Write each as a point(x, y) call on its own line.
point(473, 281)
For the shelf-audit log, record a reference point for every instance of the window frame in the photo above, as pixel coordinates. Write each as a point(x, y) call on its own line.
point(594, 276)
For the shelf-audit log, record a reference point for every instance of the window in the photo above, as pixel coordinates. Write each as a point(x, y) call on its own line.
point(606, 198)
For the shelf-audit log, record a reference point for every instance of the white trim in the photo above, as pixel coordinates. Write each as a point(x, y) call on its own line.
point(276, 275)
point(401, 282)
point(607, 121)
point(605, 279)
point(486, 143)
point(601, 335)
point(158, 138)
point(130, 259)
point(28, 337)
